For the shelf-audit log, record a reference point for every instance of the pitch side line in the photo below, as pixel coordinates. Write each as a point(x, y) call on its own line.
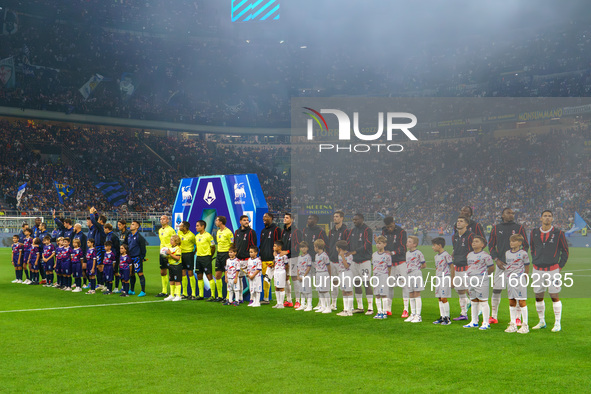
point(80, 306)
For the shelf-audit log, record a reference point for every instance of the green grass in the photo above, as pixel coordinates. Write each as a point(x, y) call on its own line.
point(191, 346)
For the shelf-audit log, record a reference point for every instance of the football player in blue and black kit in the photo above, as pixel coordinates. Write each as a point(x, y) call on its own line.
point(137, 254)
point(97, 232)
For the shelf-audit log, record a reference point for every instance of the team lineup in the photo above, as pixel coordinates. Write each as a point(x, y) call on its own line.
point(342, 262)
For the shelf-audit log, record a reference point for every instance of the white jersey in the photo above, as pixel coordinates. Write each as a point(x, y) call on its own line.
point(341, 266)
point(304, 261)
point(254, 266)
point(442, 262)
point(232, 267)
point(281, 262)
point(381, 262)
point(321, 263)
point(414, 260)
point(478, 263)
point(516, 262)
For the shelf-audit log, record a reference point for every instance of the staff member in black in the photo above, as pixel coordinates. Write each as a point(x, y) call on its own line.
point(269, 234)
point(462, 243)
point(291, 238)
point(498, 245)
point(312, 232)
point(396, 238)
point(137, 254)
point(244, 238)
point(360, 246)
point(549, 254)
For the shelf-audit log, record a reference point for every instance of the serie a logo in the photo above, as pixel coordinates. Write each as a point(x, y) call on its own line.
point(344, 133)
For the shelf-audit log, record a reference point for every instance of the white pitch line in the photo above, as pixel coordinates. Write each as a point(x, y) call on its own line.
point(79, 306)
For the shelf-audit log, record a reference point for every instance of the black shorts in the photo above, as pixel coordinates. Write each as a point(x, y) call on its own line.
point(175, 272)
point(203, 265)
point(163, 262)
point(220, 261)
point(138, 265)
point(188, 260)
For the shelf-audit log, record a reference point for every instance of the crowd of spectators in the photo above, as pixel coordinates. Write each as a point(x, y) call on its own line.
point(428, 184)
point(82, 157)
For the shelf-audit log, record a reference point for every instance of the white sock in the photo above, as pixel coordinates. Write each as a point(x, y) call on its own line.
point(239, 296)
point(524, 315)
point(419, 305)
point(485, 308)
point(280, 297)
point(387, 302)
point(518, 310)
point(230, 296)
point(359, 298)
point(370, 302)
point(309, 303)
point(475, 313)
point(413, 306)
point(326, 298)
point(257, 298)
point(252, 295)
point(541, 308)
point(288, 291)
point(464, 304)
point(405, 298)
point(349, 304)
point(496, 300)
point(334, 295)
point(441, 309)
point(512, 314)
point(379, 305)
point(297, 287)
point(557, 312)
point(446, 309)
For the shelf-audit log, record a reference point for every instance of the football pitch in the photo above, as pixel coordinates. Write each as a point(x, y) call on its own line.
point(55, 341)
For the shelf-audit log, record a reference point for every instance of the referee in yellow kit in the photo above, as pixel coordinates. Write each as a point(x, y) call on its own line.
point(225, 239)
point(164, 234)
point(205, 248)
point(187, 259)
